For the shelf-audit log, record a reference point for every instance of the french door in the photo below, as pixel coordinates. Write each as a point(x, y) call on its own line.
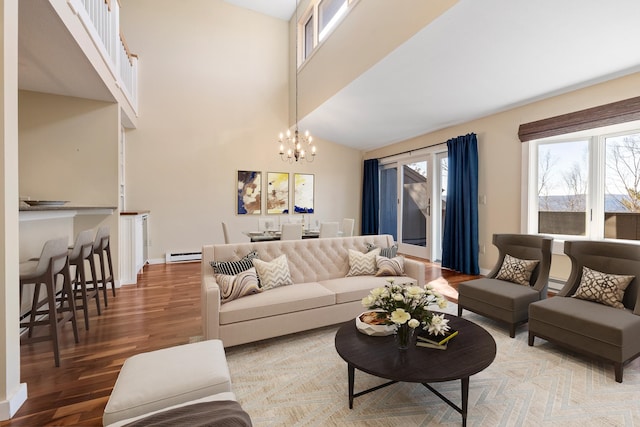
point(408, 209)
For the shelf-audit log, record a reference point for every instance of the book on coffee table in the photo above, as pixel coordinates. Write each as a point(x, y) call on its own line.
point(425, 337)
point(431, 345)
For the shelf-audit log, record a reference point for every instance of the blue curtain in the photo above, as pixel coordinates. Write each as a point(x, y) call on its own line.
point(460, 239)
point(370, 198)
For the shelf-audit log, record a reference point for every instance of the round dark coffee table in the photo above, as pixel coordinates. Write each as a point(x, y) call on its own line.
point(469, 353)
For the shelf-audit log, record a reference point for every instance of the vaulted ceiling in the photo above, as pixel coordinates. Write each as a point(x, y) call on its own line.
point(478, 58)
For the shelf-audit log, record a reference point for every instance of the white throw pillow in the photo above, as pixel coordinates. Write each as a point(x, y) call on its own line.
point(273, 274)
point(362, 264)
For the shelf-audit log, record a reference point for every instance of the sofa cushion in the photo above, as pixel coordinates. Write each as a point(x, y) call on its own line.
point(232, 268)
point(389, 266)
point(499, 293)
point(604, 288)
point(273, 274)
point(348, 289)
point(285, 299)
point(597, 321)
point(517, 270)
point(242, 284)
point(362, 264)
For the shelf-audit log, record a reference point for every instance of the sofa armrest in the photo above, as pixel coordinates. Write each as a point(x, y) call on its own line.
point(210, 297)
point(414, 269)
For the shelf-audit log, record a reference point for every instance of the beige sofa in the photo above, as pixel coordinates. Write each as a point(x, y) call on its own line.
point(321, 294)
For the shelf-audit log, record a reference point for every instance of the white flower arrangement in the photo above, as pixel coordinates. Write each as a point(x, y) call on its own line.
point(408, 304)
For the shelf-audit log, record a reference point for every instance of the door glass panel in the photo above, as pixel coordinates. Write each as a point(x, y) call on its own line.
point(388, 202)
point(415, 203)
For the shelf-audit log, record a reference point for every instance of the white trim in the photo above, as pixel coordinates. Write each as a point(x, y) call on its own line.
point(9, 407)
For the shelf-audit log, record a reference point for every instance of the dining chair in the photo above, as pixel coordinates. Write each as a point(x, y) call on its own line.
point(291, 231)
point(329, 229)
point(225, 232)
point(267, 224)
point(347, 227)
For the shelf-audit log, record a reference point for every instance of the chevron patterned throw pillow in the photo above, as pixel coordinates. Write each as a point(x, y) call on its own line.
point(517, 270)
point(604, 288)
point(273, 274)
point(362, 264)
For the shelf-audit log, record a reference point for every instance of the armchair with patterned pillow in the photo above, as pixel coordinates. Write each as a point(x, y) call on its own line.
point(519, 277)
point(597, 312)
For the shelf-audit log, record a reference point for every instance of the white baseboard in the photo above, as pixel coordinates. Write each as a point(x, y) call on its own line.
point(9, 407)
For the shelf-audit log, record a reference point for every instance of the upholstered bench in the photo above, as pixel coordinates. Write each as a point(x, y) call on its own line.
point(157, 380)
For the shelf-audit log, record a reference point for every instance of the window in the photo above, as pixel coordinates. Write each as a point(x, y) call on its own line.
point(329, 13)
point(319, 19)
point(307, 38)
point(585, 187)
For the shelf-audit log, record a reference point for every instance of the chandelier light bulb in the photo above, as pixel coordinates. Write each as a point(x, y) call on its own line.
point(288, 133)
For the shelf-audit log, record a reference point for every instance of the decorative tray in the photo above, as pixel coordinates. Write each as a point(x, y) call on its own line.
point(45, 202)
point(373, 329)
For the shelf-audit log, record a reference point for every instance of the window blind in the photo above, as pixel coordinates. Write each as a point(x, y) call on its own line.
point(604, 115)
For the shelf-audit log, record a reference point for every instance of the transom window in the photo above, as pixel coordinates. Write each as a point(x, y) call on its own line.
point(318, 21)
point(587, 186)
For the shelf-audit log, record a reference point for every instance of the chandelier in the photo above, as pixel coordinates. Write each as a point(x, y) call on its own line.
point(293, 146)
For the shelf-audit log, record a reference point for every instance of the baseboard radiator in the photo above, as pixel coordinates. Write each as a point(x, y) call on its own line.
point(183, 256)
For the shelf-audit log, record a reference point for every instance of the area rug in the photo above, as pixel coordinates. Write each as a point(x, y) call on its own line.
point(299, 380)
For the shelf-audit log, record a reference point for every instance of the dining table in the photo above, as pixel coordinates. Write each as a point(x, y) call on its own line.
point(268, 236)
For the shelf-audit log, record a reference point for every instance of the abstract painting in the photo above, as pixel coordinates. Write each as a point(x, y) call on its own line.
point(249, 185)
point(303, 193)
point(277, 193)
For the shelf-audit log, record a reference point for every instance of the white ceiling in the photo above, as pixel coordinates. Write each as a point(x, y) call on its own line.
point(479, 58)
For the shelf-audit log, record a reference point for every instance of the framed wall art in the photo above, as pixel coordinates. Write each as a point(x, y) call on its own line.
point(303, 193)
point(277, 193)
point(249, 186)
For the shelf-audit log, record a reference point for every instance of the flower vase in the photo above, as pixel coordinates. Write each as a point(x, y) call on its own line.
point(403, 336)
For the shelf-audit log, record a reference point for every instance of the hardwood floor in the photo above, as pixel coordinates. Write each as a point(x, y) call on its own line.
point(162, 310)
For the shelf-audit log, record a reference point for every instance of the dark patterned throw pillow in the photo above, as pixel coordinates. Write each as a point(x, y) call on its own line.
point(516, 270)
point(232, 268)
point(603, 288)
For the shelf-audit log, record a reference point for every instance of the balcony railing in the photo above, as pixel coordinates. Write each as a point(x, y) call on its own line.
point(617, 225)
point(101, 19)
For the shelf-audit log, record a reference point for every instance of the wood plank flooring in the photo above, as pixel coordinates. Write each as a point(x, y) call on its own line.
point(162, 310)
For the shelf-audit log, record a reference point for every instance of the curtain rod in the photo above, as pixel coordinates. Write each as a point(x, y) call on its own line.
point(411, 151)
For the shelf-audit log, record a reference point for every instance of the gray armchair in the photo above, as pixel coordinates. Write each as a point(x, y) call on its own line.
point(592, 328)
point(503, 300)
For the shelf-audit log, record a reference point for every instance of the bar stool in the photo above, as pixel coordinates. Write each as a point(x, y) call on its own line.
point(81, 252)
point(102, 248)
point(53, 262)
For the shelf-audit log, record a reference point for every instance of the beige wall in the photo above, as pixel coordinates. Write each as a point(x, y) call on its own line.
point(68, 150)
point(213, 99)
point(500, 151)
